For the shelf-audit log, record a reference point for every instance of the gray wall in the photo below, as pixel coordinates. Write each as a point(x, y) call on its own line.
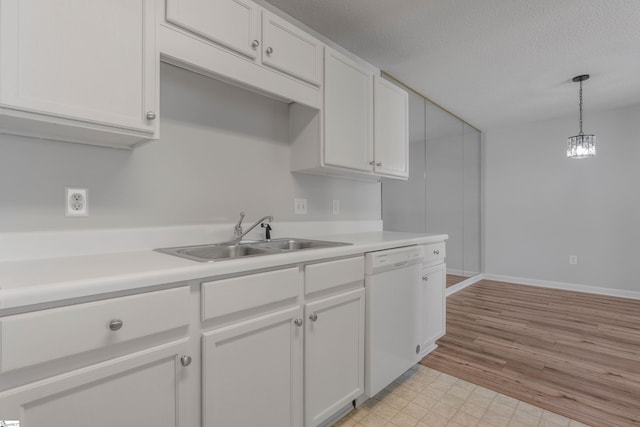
point(222, 150)
point(541, 207)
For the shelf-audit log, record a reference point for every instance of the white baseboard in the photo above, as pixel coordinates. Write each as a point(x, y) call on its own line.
point(468, 282)
point(622, 293)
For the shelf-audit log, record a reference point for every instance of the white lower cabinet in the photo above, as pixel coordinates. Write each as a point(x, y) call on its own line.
point(279, 348)
point(433, 312)
point(139, 389)
point(333, 354)
point(287, 358)
point(252, 372)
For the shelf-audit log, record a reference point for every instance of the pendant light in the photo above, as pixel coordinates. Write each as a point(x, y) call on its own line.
point(581, 145)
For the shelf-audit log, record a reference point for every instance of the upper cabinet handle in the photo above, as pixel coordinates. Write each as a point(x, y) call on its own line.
point(255, 44)
point(379, 164)
point(269, 50)
point(151, 115)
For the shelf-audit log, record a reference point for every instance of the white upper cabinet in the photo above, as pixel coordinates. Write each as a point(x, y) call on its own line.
point(242, 43)
point(348, 113)
point(291, 50)
point(79, 71)
point(363, 130)
point(231, 23)
point(391, 136)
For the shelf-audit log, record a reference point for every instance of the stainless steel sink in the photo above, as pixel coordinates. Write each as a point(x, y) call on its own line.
point(298, 244)
point(232, 250)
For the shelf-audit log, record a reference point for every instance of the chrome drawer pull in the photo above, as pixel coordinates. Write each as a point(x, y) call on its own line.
point(116, 324)
point(436, 252)
point(313, 317)
point(298, 322)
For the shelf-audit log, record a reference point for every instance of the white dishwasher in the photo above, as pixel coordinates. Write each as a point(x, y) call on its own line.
point(392, 283)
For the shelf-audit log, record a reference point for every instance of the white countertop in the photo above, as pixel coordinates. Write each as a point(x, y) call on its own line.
point(40, 281)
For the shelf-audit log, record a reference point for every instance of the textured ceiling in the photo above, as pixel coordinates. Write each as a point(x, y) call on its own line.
point(493, 62)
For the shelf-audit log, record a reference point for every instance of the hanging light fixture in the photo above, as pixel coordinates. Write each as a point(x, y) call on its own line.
point(581, 145)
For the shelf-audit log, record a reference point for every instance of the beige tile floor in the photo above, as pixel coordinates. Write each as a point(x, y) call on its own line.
point(424, 397)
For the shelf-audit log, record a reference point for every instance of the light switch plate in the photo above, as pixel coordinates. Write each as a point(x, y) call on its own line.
point(300, 206)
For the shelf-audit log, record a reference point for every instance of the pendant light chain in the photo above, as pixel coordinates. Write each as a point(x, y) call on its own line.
point(581, 133)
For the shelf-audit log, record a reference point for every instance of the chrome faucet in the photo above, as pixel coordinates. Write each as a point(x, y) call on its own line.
point(238, 234)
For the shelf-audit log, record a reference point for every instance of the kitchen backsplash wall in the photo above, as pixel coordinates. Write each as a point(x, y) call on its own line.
point(222, 150)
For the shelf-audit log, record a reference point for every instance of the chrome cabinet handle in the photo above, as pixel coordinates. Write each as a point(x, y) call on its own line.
point(298, 322)
point(379, 164)
point(116, 324)
point(425, 278)
point(151, 115)
point(269, 50)
point(185, 360)
point(255, 44)
point(371, 162)
point(436, 252)
point(313, 317)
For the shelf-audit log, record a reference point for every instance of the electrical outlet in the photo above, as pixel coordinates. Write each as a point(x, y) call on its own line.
point(336, 207)
point(300, 206)
point(573, 259)
point(76, 202)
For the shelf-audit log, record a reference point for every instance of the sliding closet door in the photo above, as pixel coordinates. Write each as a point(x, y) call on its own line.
point(471, 201)
point(442, 194)
point(444, 181)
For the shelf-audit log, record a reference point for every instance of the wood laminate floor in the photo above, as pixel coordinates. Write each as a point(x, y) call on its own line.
point(571, 353)
point(453, 279)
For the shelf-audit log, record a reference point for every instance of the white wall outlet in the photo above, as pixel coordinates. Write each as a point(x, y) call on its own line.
point(76, 202)
point(336, 207)
point(573, 259)
point(300, 206)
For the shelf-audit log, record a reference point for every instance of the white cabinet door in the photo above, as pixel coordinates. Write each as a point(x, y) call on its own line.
point(433, 298)
point(334, 354)
point(93, 62)
point(348, 113)
point(252, 372)
point(231, 23)
point(391, 136)
point(289, 49)
point(142, 389)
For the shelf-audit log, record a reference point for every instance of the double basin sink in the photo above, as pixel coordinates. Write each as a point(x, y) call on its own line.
point(243, 249)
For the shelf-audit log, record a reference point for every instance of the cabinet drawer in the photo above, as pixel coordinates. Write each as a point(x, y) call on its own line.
point(227, 296)
point(31, 338)
point(318, 277)
point(434, 253)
